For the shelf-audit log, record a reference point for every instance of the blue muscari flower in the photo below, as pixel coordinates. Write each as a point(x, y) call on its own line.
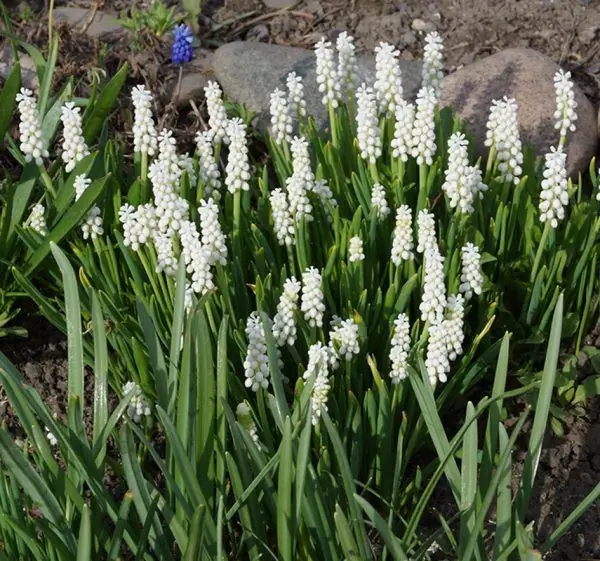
point(182, 44)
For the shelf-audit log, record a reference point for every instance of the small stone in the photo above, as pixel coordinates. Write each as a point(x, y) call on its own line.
point(279, 4)
point(192, 88)
point(249, 72)
point(528, 76)
point(582, 359)
point(407, 39)
point(423, 26)
point(29, 78)
point(259, 33)
point(103, 22)
point(372, 30)
point(314, 7)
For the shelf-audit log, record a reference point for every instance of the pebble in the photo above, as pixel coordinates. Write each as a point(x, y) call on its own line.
point(279, 4)
point(102, 24)
point(423, 26)
point(259, 33)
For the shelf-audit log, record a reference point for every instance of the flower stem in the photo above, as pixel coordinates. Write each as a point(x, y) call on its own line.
point(422, 187)
point(144, 170)
point(47, 181)
point(374, 173)
point(540, 250)
point(333, 125)
point(237, 211)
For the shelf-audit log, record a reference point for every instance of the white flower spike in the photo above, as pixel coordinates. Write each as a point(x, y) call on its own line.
point(388, 78)
point(400, 349)
point(368, 131)
point(327, 76)
point(145, 139)
point(33, 145)
point(402, 244)
point(555, 194)
point(74, 146)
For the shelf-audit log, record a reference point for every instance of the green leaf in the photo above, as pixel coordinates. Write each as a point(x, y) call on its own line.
point(84, 545)
point(8, 99)
point(285, 517)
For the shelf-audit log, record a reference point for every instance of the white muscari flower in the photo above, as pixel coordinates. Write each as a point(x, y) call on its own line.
point(388, 78)
point(245, 419)
point(284, 322)
point(32, 142)
point(171, 209)
point(256, 365)
point(402, 243)
point(145, 139)
point(400, 349)
point(281, 118)
point(138, 407)
point(196, 257)
point(296, 100)
point(37, 220)
point(166, 261)
point(312, 305)
point(238, 166)
point(74, 146)
point(51, 438)
point(283, 223)
point(327, 76)
point(565, 114)
point(426, 231)
point(323, 191)
point(403, 131)
point(555, 195)
point(213, 238)
point(343, 341)
point(80, 184)
point(433, 301)
point(318, 365)
point(423, 144)
point(217, 114)
point(437, 362)
point(91, 225)
point(368, 131)
point(139, 224)
point(355, 249)
point(432, 73)
point(186, 164)
point(503, 135)
point(208, 170)
point(471, 278)
point(454, 326)
point(299, 203)
point(347, 64)
point(379, 203)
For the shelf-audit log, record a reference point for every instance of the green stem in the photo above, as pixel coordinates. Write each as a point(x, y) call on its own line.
point(50, 24)
point(422, 201)
point(374, 173)
point(333, 125)
point(237, 211)
point(47, 181)
point(144, 170)
point(540, 250)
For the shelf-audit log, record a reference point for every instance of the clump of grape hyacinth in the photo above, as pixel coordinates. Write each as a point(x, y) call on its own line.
point(296, 100)
point(283, 223)
point(318, 366)
point(281, 119)
point(182, 44)
point(238, 166)
point(388, 78)
point(555, 194)
point(368, 132)
point(327, 76)
point(400, 349)
point(32, 142)
point(312, 305)
point(284, 322)
point(432, 73)
point(565, 113)
point(433, 301)
point(74, 146)
point(402, 141)
point(138, 407)
point(217, 114)
point(454, 326)
point(426, 231)
point(145, 139)
point(503, 137)
point(471, 277)
point(256, 365)
point(402, 244)
point(347, 64)
point(213, 239)
point(423, 144)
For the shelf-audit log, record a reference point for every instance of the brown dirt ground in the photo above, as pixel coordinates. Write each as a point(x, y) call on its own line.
point(568, 31)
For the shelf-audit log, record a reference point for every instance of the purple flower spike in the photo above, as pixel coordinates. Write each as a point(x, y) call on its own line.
point(182, 44)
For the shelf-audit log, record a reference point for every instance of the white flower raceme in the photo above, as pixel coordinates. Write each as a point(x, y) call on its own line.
point(284, 322)
point(312, 305)
point(210, 176)
point(296, 100)
point(433, 301)
point(400, 349)
point(145, 139)
point(74, 146)
point(256, 365)
point(403, 131)
point(318, 366)
point(555, 194)
point(327, 76)
point(51, 438)
point(281, 119)
point(32, 142)
point(355, 249)
point(368, 131)
point(213, 239)
point(503, 135)
point(238, 166)
point(454, 326)
point(186, 164)
point(217, 114)
point(432, 73)
point(283, 223)
point(423, 145)
point(388, 78)
point(301, 162)
point(347, 65)
point(302, 180)
point(402, 244)
point(343, 340)
point(379, 203)
point(139, 224)
point(565, 114)
point(171, 209)
point(37, 220)
point(471, 278)
point(91, 226)
point(166, 261)
point(323, 191)
point(245, 419)
point(138, 407)
point(426, 231)
point(197, 258)
point(437, 362)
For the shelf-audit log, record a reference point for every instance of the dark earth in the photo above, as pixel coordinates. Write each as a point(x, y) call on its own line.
point(568, 31)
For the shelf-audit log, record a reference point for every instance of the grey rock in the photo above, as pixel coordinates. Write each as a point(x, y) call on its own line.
point(103, 23)
point(259, 33)
point(373, 29)
point(249, 72)
point(527, 76)
point(192, 88)
point(279, 4)
point(29, 77)
point(419, 24)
